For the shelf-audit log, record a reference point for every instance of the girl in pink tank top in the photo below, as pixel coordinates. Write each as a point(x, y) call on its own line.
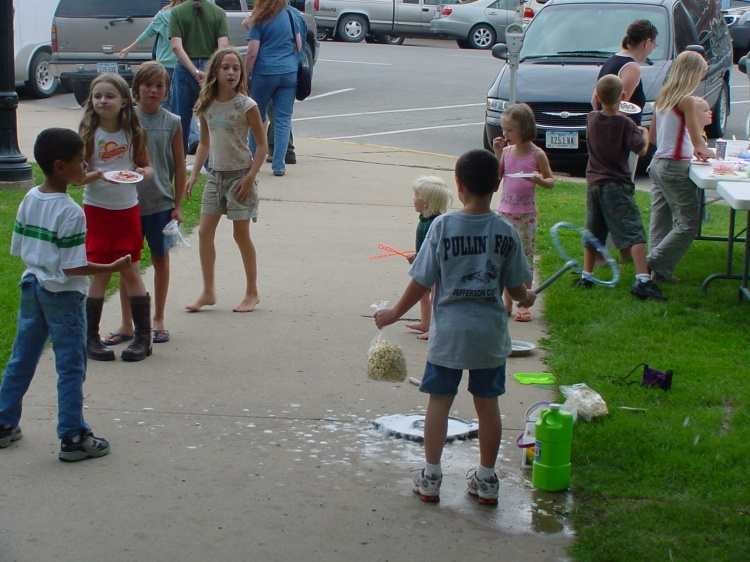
point(523, 166)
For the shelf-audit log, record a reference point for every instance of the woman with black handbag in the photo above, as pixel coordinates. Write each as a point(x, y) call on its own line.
point(273, 55)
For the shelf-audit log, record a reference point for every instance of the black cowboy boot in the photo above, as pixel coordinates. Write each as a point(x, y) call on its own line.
point(95, 349)
point(140, 348)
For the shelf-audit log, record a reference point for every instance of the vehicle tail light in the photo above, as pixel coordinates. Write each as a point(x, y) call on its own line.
point(316, 5)
point(528, 13)
point(55, 46)
point(446, 11)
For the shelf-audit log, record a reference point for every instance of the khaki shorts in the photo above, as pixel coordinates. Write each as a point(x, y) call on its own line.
point(220, 196)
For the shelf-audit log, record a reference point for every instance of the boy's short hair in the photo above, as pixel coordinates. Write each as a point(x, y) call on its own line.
point(478, 171)
point(148, 72)
point(433, 192)
point(609, 89)
point(56, 144)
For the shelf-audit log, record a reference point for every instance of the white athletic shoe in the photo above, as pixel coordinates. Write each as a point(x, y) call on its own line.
point(427, 488)
point(486, 491)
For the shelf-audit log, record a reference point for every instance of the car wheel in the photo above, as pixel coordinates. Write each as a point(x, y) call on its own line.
point(721, 114)
point(485, 141)
point(322, 34)
point(462, 43)
point(353, 28)
point(481, 36)
point(81, 92)
point(41, 84)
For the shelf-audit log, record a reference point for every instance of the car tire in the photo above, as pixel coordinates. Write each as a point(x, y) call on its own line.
point(352, 28)
point(41, 84)
point(481, 36)
point(721, 114)
point(462, 44)
point(394, 39)
point(322, 34)
point(81, 92)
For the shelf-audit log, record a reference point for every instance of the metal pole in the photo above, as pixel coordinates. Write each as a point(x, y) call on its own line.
point(513, 71)
point(13, 165)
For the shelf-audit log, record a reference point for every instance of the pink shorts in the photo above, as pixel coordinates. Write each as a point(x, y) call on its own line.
point(113, 234)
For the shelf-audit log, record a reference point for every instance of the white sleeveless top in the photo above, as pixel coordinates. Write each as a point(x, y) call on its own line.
point(672, 137)
point(112, 151)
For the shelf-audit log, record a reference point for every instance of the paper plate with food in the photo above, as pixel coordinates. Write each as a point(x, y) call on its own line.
point(629, 108)
point(528, 175)
point(123, 176)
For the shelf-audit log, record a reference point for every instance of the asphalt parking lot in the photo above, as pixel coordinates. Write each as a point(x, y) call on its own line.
point(424, 95)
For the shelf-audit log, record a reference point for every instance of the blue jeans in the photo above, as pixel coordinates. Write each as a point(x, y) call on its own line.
point(184, 94)
point(59, 316)
point(279, 90)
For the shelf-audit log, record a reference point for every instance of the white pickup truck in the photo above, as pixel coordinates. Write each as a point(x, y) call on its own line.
point(376, 20)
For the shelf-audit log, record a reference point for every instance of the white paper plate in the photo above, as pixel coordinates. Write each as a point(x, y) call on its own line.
point(519, 348)
point(116, 176)
point(521, 175)
point(629, 108)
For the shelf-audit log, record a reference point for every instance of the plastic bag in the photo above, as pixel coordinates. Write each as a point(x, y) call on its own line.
point(583, 401)
point(385, 359)
point(173, 237)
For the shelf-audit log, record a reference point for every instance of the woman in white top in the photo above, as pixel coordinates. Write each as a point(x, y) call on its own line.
point(677, 133)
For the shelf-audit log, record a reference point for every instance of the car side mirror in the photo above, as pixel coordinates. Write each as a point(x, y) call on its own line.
point(500, 51)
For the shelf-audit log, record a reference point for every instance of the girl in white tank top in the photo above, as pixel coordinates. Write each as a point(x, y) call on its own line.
point(677, 132)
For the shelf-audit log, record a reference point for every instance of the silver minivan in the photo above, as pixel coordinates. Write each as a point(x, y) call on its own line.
point(87, 36)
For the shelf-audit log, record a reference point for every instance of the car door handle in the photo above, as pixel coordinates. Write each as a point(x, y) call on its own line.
point(120, 20)
point(425, 9)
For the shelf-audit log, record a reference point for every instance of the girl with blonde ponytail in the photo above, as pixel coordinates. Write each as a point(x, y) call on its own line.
point(677, 132)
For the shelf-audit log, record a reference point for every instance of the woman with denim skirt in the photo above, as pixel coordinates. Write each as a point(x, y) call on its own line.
point(273, 48)
point(197, 28)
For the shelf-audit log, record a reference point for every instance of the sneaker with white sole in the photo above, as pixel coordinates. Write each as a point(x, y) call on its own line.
point(426, 487)
point(486, 491)
point(83, 446)
point(8, 435)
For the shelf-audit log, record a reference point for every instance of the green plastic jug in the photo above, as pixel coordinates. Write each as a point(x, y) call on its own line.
point(550, 471)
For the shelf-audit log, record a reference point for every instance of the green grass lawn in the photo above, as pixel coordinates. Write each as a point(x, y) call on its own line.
point(670, 483)
point(12, 267)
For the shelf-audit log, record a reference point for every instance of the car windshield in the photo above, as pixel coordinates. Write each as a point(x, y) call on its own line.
point(589, 30)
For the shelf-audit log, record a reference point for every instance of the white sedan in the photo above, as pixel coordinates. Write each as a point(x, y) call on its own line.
point(478, 25)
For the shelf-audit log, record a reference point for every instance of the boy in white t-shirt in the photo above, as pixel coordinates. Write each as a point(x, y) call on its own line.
point(49, 236)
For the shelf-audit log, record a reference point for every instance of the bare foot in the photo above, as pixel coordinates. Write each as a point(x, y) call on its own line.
point(206, 299)
point(248, 304)
point(424, 337)
point(421, 328)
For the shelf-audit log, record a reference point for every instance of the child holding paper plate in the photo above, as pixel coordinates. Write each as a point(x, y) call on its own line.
point(114, 142)
point(523, 167)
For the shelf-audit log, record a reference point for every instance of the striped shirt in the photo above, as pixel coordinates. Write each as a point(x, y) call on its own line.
point(49, 235)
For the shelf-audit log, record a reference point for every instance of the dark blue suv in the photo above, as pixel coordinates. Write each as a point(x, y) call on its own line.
point(568, 41)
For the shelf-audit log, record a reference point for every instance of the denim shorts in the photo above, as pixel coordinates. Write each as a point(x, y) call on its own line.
point(611, 209)
point(152, 226)
point(483, 383)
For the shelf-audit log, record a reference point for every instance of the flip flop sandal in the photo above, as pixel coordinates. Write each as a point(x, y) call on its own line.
point(161, 336)
point(116, 338)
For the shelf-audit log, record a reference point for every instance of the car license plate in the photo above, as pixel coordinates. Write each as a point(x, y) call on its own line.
point(562, 139)
point(102, 67)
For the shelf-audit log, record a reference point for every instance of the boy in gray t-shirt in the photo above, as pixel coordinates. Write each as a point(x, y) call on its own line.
point(469, 256)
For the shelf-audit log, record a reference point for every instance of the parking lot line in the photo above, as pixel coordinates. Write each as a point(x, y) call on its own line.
point(326, 94)
point(356, 62)
point(399, 131)
point(383, 111)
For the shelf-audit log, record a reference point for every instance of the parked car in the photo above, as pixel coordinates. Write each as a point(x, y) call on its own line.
point(478, 25)
point(379, 20)
point(738, 21)
point(32, 48)
point(567, 42)
point(87, 36)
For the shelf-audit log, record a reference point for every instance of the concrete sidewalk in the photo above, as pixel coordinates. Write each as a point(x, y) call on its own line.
point(248, 436)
